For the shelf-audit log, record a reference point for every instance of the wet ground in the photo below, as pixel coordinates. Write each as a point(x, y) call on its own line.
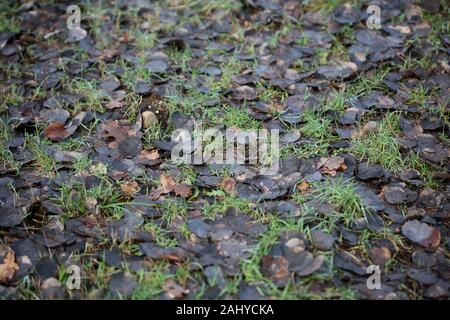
point(92, 204)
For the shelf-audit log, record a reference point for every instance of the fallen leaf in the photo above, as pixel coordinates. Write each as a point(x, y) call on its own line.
point(149, 119)
point(114, 133)
point(92, 205)
point(167, 185)
point(331, 165)
point(228, 185)
point(56, 132)
point(130, 187)
point(182, 190)
point(8, 267)
point(421, 233)
point(174, 290)
point(113, 104)
point(275, 268)
point(303, 186)
point(150, 154)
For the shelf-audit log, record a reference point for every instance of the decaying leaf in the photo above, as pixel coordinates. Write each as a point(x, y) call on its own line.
point(173, 290)
point(228, 185)
point(113, 104)
point(182, 190)
point(8, 267)
point(331, 165)
point(114, 133)
point(167, 185)
point(150, 154)
point(56, 132)
point(129, 187)
point(303, 186)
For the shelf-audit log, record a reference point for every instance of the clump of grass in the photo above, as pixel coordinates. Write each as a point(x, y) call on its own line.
point(270, 94)
point(381, 146)
point(161, 235)
point(6, 156)
point(186, 175)
point(151, 281)
point(440, 25)
point(93, 98)
point(174, 208)
point(316, 126)
point(325, 5)
point(341, 194)
point(10, 97)
point(305, 151)
point(132, 74)
point(153, 133)
point(43, 161)
point(419, 96)
point(189, 103)
point(8, 18)
point(366, 83)
point(225, 201)
point(251, 267)
point(145, 40)
point(230, 69)
point(233, 117)
point(73, 199)
point(180, 58)
point(302, 41)
point(82, 163)
point(219, 5)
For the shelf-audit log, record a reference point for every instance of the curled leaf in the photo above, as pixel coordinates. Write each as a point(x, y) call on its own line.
point(8, 267)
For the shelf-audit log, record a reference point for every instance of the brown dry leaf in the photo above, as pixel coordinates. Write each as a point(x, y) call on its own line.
point(369, 127)
point(113, 104)
point(182, 190)
point(8, 267)
point(108, 53)
point(168, 184)
point(228, 185)
point(331, 165)
point(56, 132)
point(174, 290)
point(130, 187)
point(303, 186)
point(92, 205)
point(114, 133)
point(150, 154)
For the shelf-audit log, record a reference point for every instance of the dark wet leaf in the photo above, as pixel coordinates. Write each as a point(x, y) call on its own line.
point(380, 255)
point(276, 269)
point(122, 285)
point(110, 84)
point(347, 14)
point(46, 268)
point(171, 253)
point(349, 262)
point(9, 216)
point(368, 171)
point(423, 276)
point(234, 248)
point(322, 240)
point(199, 228)
point(335, 72)
point(421, 233)
point(399, 194)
